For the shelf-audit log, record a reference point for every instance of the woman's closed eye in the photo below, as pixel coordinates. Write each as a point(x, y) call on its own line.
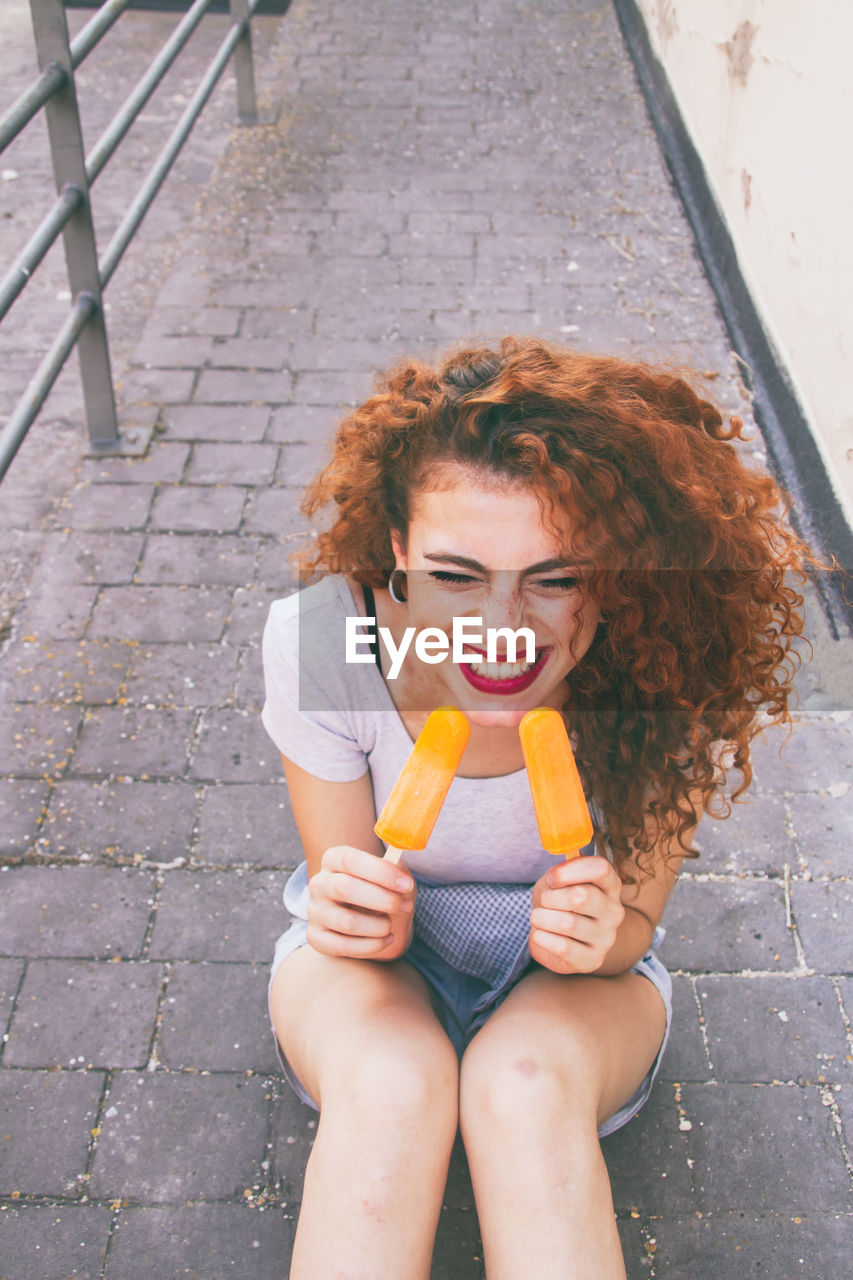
point(568, 583)
point(445, 576)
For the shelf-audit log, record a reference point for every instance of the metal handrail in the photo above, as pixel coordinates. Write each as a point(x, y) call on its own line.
point(31, 102)
point(83, 309)
point(122, 121)
point(71, 215)
point(97, 26)
point(156, 175)
point(16, 278)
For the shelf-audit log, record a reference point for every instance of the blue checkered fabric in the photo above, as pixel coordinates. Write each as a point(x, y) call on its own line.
point(480, 929)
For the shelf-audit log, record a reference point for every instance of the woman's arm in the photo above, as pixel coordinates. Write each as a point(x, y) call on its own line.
point(361, 906)
point(331, 813)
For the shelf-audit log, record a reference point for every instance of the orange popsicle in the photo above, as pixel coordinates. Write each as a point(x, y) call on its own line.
point(409, 814)
point(561, 810)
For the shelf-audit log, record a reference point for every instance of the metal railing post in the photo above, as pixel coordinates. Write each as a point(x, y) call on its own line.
point(69, 168)
point(244, 70)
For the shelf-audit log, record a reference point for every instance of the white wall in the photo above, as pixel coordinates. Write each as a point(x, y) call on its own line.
point(766, 91)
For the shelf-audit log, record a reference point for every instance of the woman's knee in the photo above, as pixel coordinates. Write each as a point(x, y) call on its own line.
point(511, 1084)
point(403, 1077)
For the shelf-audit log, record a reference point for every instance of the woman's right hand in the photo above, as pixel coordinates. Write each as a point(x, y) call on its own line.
point(361, 906)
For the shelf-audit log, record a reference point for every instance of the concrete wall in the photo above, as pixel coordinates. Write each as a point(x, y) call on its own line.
point(765, 90)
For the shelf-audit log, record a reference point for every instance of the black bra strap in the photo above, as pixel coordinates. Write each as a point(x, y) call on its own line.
point(370, 612)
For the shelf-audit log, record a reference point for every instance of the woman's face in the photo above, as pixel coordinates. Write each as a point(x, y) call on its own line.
point(476, 548)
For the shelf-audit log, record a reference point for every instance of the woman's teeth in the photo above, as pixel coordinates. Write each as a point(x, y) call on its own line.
point(501, 670)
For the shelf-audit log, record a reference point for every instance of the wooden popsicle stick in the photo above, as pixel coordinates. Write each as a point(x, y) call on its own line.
point(393, 855)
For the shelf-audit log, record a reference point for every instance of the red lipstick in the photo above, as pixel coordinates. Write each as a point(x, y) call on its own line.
point(512, 684)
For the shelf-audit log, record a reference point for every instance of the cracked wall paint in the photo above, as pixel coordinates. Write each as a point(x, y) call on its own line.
point(764, 89)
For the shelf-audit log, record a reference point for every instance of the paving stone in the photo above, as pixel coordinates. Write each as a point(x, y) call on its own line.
point(36, 738)
point(635, 1249)
point(22, 805)
point(47, 1242)
point(249, 691)
point(815, 758)
point(233, 464)
point(249, 609)
point(823, 913)
point(217, 422)
point(225, 386)
point(248, 823)
point(786, 1155)
point(304, 422)
point(219, 915)
point(26, 506)
point(276, 511)
point(47, 1121)
point(336, 353)
point(276, 322)
point(90, 1013)
point(276, 569)
point(157, 386)
point(285, 294)
point(150, 820)
point(73, 911)
point(239, 1039)
point(685, 1057)
point(458, 1249)
point(766, 1029)
point(61, 617)
point(163, 464)
point(300, 464)
point(734, 1246)
point(173, 352)
point(161, 613)
point(212, 321)
point(294, 1129)
point(173, 1137)
point(845, 987)
point(134, 741)
point(109, 506)
point(217, 509)
point(647, 1159)
point(84, 671)
point(756, 837)
point(823, 830)
point(183, 675)
point(202, 1241)
point(82, 556)
point(843, 1098)
point(331, 387)
point(727, 926)
point(199, 560)
point(249, 353)
point(10, 978)
point(233, 747)
point(21, 553)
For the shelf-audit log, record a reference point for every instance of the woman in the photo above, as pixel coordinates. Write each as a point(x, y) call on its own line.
point(481, 984)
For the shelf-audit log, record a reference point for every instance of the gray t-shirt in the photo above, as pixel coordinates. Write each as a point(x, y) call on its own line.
point(336, 720)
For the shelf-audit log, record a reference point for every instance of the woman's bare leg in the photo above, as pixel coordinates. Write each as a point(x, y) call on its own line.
point(552, 1063)
point(363, 1039)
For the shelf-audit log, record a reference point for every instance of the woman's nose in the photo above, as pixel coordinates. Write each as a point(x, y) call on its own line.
point(504, 602)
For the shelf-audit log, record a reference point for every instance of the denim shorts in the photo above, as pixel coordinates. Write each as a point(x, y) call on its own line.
point(469, 982)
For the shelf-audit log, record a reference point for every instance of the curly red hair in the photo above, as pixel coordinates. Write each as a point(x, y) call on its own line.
point(685, 550)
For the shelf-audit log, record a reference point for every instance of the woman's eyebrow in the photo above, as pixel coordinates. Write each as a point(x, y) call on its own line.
point(464, 562)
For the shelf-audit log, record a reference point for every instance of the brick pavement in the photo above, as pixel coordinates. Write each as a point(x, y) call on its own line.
point(434, 171)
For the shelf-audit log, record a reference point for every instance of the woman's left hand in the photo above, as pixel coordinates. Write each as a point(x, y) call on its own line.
point(576, 915)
